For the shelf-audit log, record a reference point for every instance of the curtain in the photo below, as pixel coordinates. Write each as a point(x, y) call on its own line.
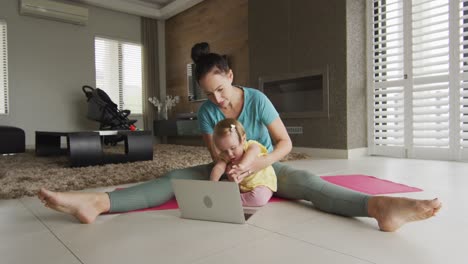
point(149, 41)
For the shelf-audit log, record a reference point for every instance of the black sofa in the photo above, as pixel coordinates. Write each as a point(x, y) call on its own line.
point(12, 140)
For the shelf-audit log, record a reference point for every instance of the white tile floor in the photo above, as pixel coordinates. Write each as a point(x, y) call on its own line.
point(284, 232)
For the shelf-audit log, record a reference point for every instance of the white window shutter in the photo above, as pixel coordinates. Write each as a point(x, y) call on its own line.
point(430, 73)
point(3, 69)
point(387, 93)
point(434, 96)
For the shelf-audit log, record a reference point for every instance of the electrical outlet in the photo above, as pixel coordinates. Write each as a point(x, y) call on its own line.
point(294, 130)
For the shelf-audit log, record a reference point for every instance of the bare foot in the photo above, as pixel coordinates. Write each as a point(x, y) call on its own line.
point(84, 206)
point(393, 212)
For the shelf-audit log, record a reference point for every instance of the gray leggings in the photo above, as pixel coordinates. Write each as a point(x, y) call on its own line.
point(292, 184)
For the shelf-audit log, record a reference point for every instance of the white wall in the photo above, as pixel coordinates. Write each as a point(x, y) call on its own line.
point(50, 61)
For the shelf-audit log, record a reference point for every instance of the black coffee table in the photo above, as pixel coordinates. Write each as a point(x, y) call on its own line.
point(85, 148)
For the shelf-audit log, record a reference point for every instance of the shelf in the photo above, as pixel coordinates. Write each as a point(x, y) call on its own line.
point(170, 128)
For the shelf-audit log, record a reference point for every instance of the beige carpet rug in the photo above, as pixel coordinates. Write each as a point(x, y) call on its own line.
point(24, 174)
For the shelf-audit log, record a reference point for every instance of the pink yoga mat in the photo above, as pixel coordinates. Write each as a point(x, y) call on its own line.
point(361, 183)
point(172, 204)
point(369, 184)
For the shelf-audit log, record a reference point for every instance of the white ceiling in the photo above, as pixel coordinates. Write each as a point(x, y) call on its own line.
point(160, 3)
point(158, 9)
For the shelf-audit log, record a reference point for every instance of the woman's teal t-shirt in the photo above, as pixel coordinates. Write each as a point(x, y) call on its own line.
point(258, 112)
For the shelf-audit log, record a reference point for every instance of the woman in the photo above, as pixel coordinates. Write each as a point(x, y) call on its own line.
point(261, 122)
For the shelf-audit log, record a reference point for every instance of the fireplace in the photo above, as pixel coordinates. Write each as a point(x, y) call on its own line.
point(298, 95)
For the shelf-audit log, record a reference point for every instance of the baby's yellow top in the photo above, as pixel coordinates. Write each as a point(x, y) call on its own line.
point(265, 177)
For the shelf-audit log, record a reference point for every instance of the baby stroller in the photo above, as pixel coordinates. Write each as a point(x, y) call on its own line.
point(103, 110)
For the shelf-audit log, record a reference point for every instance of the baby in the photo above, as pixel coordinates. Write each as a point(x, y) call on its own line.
point(229, 138)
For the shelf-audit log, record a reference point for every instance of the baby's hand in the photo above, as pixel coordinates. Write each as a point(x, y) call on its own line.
point(228, 167)
point(233, 178)
point(238, 173)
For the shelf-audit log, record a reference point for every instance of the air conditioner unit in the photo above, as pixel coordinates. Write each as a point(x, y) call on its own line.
point(54, 10)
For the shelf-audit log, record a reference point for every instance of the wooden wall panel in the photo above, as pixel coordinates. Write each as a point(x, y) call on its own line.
point(298, 36)
point(224, 25)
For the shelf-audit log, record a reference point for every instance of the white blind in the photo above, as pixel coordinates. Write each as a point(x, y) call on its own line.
point(388, 73)
point(464, 75)
point(119, 72)
point(430, 71)
point(131, 92)
point(3, 69)
point(107, 67)
point(195, 93)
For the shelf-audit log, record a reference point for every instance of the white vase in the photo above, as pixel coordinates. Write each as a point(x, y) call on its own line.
point(163, 113)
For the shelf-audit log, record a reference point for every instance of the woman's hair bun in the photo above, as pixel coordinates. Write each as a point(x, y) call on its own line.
point(199, 50)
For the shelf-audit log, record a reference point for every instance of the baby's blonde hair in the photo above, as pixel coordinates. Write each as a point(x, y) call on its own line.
point(227, 127)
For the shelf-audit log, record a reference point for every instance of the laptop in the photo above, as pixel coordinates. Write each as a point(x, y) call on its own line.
point(211, 201)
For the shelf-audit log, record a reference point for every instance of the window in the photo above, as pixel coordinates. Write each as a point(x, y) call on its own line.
point(119, 72)
point(195, 93)
point(418, 78)
point(3, 69)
